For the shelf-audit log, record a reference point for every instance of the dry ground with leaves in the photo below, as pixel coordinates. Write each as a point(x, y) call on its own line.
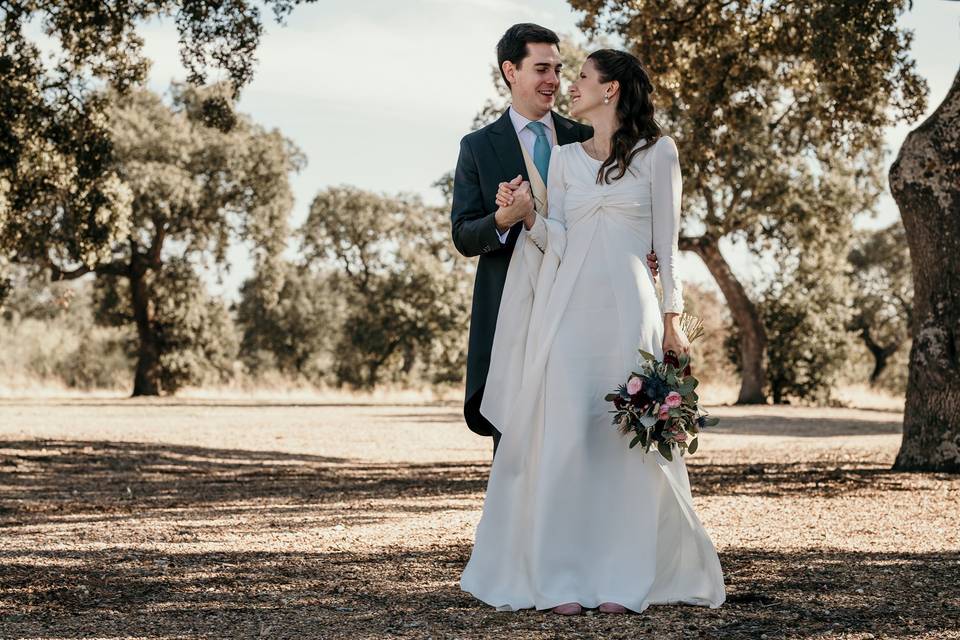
point(245, 519)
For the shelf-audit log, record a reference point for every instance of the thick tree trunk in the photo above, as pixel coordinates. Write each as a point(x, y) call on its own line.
point(753, 337)
point(146, 380)
point(925, 182)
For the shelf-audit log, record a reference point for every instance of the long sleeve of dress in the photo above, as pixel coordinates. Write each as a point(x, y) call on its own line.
point(666, 189)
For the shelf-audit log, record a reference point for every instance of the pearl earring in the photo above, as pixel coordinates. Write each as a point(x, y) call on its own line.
point(606, 99)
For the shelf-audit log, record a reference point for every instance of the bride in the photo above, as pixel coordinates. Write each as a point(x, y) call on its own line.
point(573, 518)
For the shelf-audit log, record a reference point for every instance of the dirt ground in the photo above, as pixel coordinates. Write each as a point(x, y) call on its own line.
point(232, 519)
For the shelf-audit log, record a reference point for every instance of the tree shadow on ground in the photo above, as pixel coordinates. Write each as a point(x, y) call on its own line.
point(46, 480)
point(400, 592)
point(806, 427)
point(823, 478)
point(54, 480)
point(89, 481)
point(164, 402)
point(118, 589)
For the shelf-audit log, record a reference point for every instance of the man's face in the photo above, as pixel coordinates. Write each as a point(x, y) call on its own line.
point(535, 82)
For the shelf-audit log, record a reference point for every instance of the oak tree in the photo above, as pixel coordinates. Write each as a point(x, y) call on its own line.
point(925, 184)
point(406, 292)
point(58, 165)
point(882, 291)
point(193, 191)
point(759, 96)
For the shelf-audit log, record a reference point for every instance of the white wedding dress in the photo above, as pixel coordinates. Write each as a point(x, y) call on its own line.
point(571, 513)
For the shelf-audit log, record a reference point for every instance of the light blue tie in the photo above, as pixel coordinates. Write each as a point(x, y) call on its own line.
point(541, 149)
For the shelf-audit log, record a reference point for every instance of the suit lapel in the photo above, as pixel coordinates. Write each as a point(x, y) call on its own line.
point(566, 130)
point(506, 146)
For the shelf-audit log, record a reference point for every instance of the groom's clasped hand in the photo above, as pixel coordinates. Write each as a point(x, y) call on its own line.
point(520, 206)
point(506, 190)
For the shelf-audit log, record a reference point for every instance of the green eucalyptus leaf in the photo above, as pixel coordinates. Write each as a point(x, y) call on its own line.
point(664, 450)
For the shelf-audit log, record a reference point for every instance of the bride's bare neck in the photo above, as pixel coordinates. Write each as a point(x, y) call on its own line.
point(603, 130)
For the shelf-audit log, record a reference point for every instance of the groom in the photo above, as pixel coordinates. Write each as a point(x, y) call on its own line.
point(516, 149)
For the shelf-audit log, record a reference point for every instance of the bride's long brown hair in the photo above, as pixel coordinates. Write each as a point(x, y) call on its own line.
point(634, 110)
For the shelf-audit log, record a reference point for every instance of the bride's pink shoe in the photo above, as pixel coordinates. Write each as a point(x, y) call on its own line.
point(568, 609)
point(612, 607)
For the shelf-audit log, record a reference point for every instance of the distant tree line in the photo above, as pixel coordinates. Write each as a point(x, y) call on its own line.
point(377, 294)
point(778, 109)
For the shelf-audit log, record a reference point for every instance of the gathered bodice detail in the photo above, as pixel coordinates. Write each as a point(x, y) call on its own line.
point(639, 212)
point(584, 197)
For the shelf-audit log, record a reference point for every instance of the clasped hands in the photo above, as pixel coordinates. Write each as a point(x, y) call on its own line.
point(515, 200)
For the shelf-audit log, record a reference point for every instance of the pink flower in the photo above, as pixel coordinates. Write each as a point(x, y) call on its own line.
point(673, 399)
point(680, 436)
point(664, 412)
point(634, 385)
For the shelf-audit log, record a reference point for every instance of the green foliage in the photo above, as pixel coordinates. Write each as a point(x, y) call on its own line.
point(770, 103)
point(405, 293)
point(197, 186)
point(882, 285)
point(195, 190)
point(48, 336)
point(58, 170)
point(30, 295)
point(297, 334)
point(194, 334)
point(197, 339)
point(761, 96)
point(708, 354)
point(805, 312)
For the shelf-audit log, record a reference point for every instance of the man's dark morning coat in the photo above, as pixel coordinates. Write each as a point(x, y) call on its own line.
point(489, 156)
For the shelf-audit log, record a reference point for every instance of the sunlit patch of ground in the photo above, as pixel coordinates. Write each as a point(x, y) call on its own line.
point(199, 517)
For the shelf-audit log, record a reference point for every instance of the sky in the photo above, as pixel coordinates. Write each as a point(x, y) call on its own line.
point(378, 93)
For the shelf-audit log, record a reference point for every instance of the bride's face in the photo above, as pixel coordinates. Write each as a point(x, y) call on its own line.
point(587, 93)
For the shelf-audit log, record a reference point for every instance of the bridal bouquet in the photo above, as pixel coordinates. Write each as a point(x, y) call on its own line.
point(659, 404)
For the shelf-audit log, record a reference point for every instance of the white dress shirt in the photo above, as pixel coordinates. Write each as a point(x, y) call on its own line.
point(528, 139)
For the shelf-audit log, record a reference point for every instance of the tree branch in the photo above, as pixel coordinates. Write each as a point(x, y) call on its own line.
point(712, 219)
point(111, 268)
point(776, 123)
point(153, 255)
point(57, 274)
point(688, 243)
